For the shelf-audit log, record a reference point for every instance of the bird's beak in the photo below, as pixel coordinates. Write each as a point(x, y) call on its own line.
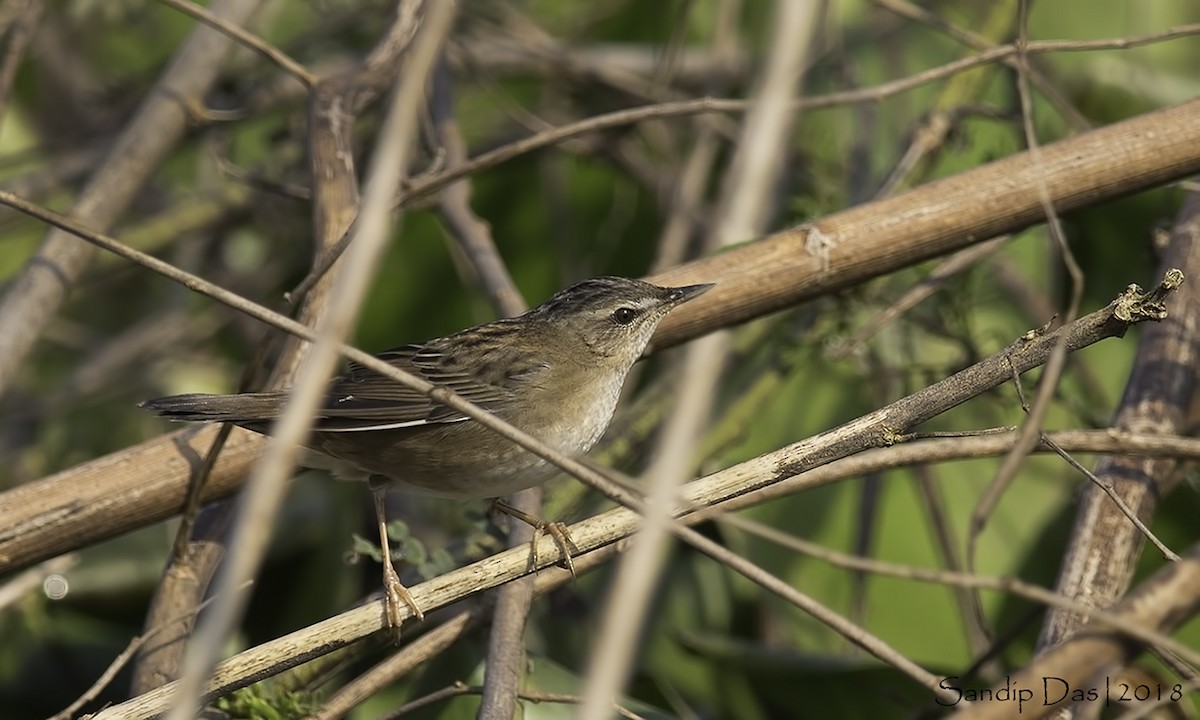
point(680, 295)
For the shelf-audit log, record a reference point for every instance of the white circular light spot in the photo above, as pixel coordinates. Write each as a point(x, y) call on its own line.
point(55, 586)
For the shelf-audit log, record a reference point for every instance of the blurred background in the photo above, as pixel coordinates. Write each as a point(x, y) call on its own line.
point(231, 205)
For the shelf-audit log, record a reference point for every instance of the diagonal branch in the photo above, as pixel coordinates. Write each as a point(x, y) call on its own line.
point(1164, 602)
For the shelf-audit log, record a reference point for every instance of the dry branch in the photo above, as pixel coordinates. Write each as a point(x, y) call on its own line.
point(1164, 602)
point(937, 218)
point(1105, 545)
point(55, 514)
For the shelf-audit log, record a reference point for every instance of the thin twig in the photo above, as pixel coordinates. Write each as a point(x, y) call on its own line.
point(979, 42)
point(710, 105)
point(1111, 492)
point(119, 662)
point(459, 689)
point(934, 281)
point(966, 580)
point(246, 38)
point(19, 36)
point(414, 654)
point(34, 295)
point(1048, 384)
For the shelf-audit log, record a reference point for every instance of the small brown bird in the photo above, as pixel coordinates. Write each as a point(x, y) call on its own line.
point(555, 372)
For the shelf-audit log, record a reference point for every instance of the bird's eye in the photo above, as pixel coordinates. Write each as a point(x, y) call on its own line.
point(624, 315)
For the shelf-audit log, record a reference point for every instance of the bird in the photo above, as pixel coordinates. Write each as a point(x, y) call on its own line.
point(555, 372)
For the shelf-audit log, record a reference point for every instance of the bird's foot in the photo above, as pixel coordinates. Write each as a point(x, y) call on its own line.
point(394, 591)
point(395, 595)
point(556, 530)
point(562, 538)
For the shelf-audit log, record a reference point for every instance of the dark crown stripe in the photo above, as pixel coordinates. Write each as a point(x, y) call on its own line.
point(596, 291)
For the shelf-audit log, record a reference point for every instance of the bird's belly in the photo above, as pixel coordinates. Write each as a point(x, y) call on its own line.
point(474, 486)
point(464, 467)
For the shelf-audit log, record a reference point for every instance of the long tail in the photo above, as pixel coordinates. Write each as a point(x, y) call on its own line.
point(243, 408)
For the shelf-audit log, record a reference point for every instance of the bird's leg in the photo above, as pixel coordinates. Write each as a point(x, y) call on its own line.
point(556, 530)
point(394, 591)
